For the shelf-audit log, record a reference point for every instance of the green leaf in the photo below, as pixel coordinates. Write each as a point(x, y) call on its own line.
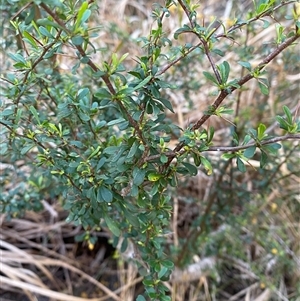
point(44, 31)
point(84, 59)
point(94, 152)
point(132, 218)
point(17, 58)
point(138, 176)
point(124, 245)
point(263, 159)
point(282, 123)
point(3, 148)
point(116, 121)
point(250, 151)
point(228, 156)
point(168, 264)
point(197, 159)
point(191, 168)
point(163, 159)
point(157, 246)
point(125, 92)
point(207, 165)
point(123, 125)
point(27, 148)
point(261, 131)
point(288, 114)
point(143, 83)
point(263, 86)
point(110, 150)
point(222, 110)
point(104, 194)
point(55, 3)
point(102, 93)
point(153, 176)
point(86, 15)
point(266, 23)
point(133, 150)
point(271, 148)
point(240, 164)
point(140, 298)
point(77, 40)
point(162, 272)
point(47, 22)
point(98, 74)
point(123, 57)
point(218, 52)
point(31, 15)
point(28, 37)
point(83, 92)
point(247, 138)
point(83, 116)
point(224, 69)
point(167, 104)
point(81, 11)
point(211, 134)
point(247, 65)
point(112, 226)
point(262, 8)
point(181, 30)
point(35, 114)
point(7, 112)
point(210, 77)
point(154, 189)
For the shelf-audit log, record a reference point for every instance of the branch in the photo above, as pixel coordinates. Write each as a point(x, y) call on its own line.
point(35, 64)
point(212, 63)
point(94, 67)
point(263, 14)
point(203, 41)
point(172, 154)
point(21, 10)
point(164, 69)
point(224, 93)
point(187, 12)
point(264, 142)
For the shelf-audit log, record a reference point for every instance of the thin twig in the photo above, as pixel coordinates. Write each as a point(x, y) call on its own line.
point(165, 68)
point(203, 42)
point(230, 148)
point(264, 142)
point(263, 14)
point(187, 12)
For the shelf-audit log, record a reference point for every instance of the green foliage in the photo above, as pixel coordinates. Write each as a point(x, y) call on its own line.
point(97, 138)
point(288, 123)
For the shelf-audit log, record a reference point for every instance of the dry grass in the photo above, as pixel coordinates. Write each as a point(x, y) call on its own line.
point(37, 260)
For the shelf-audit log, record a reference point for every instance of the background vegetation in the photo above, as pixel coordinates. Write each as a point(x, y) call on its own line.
point(150, 150)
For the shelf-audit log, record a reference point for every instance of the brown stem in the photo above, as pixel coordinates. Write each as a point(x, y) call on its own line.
point(264, 142)
point(263, 14)
point(228, 148)
point(187, 12)
point(224, 93)
point(212, 63)
point(94, 67)
point(203, 42)
point(164, 69)
point(36, 63)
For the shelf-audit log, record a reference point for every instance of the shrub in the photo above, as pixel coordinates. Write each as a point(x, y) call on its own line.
point(99, 136)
